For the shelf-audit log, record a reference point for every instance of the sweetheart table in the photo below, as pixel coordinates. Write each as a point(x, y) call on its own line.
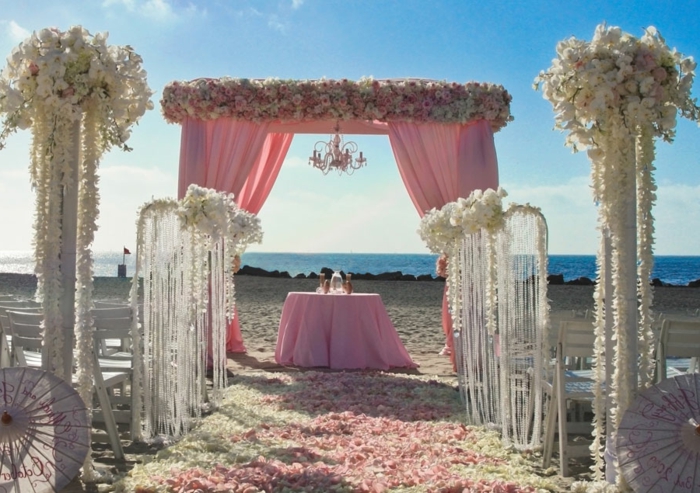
point(339, 331)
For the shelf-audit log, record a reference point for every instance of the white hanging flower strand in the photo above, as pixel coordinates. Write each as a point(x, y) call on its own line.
point(613, 96)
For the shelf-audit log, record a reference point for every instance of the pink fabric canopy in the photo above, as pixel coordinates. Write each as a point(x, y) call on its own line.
point(438, 163)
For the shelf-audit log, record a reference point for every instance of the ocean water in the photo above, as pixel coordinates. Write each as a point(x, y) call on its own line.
point(678, 270)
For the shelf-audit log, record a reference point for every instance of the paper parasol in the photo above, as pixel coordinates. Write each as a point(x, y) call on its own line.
point(44, 431)
point(658, 441)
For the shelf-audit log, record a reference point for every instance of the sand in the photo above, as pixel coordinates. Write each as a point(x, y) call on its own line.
point(413, 306)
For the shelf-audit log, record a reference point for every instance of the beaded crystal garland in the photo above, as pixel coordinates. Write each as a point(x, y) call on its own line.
point(497, 292)
point(185, 255)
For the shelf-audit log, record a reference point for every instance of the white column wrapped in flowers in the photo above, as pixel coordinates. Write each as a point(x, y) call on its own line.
point(613, 96)
point(185, 255)
point(501, 337)
point(80, 97)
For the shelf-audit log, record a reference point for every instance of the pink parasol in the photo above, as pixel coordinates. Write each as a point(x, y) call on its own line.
point(658, 441)
point(44, 431)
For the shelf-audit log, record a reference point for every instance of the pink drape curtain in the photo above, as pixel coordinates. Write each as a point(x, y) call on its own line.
point(237, 157)
point(232, 156)
point(440, 163)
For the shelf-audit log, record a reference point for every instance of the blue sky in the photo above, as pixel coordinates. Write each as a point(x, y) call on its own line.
point(502, 42)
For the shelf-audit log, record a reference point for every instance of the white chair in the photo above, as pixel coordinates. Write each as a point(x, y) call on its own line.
point(678, 348)
point(5, 334)
point(118, 357)
point(576, 340)
point(27, 350)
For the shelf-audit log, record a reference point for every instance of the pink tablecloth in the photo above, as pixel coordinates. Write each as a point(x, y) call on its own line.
point(339, 331)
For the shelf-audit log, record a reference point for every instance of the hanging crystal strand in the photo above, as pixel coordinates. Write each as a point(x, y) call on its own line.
point(217, 320)
point(467, 314)
point(148, 311)
point(503, 263)
point(543, 322)
point(136, 336)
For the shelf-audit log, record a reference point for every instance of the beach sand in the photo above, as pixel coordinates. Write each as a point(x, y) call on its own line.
point(413, 306)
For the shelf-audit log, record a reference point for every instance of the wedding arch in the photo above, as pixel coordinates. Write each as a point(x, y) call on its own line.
point(497, 293)
point(186, 254)
point(614, 95)
point(236, 132)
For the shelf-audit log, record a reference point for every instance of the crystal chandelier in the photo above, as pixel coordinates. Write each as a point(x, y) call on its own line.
point(336, 154)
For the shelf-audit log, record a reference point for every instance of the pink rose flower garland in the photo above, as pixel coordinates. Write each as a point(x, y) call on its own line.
point(271, 100)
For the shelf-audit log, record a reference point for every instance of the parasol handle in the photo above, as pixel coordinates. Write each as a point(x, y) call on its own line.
point(6, 419)
point(696, 425)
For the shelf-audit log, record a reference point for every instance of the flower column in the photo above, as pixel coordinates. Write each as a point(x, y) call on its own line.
point(613, 96)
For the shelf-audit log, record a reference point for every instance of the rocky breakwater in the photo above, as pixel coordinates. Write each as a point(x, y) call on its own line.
point(247, 270)
point(558, 280)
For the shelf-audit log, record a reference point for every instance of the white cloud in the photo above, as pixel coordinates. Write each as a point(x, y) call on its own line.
point(295, 162)
point(273, 22)
point(157, 10)
point(569, 211)
point(123, 190)
point(15, 32)
point(297, 3)
point(572, 216)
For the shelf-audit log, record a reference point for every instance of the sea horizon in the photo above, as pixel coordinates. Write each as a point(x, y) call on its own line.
point(670, 269)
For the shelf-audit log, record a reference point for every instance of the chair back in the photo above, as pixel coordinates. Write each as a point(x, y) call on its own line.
point(5, 322)
point(678, 339)
point(7, 297)
point(112, 330)
point(577, 338)
point(123, 311)
point(27, 338)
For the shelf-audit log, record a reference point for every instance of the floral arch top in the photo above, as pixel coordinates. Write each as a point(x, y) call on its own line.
point(276, 100)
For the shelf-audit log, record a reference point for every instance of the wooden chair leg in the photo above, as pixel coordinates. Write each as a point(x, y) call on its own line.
point(549, 429)
point(107, 412)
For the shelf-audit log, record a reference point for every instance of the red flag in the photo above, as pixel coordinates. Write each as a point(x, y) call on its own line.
point(126, 251)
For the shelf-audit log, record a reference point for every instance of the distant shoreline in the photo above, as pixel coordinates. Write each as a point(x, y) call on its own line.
point(672, 270)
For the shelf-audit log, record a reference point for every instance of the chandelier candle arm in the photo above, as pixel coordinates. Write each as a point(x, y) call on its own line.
point(336, 154)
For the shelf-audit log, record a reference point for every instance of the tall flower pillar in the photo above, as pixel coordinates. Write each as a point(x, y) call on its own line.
point(80, 98)
point(69, 227)
point(614, 96)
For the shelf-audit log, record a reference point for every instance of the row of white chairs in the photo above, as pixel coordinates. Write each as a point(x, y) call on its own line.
point(677, 352)
point(20, 323)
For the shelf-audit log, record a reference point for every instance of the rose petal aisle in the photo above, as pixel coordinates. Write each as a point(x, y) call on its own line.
point(351, 432)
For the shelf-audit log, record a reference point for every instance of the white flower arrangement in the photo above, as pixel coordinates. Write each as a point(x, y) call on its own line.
point(215, 215)
point(245, 229)
point(441, 229)
point(613, 96)
point(639, 79)
point(59, 72)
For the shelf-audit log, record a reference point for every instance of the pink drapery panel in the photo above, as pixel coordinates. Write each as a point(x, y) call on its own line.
point(440, 163)
point(237, 157)
point(219, 153)
point(264, 174)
